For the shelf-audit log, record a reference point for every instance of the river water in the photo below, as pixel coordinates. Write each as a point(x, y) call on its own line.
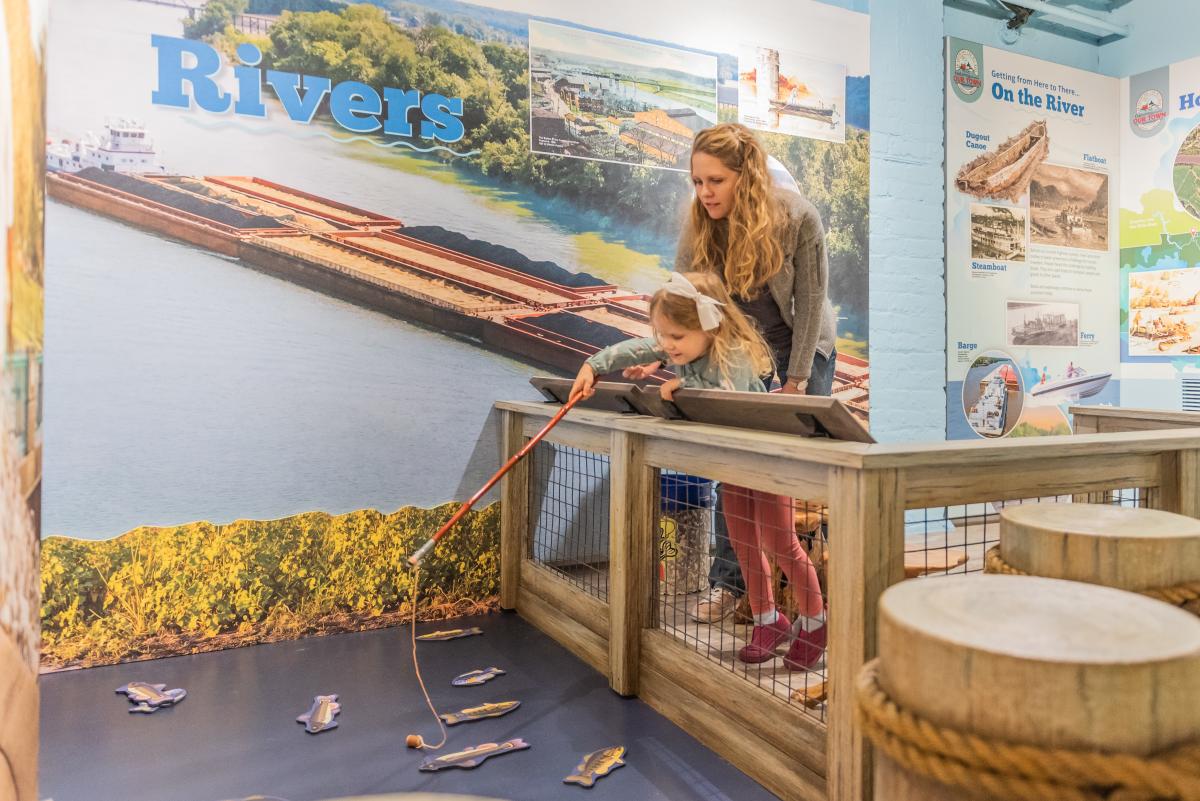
point(181, 386)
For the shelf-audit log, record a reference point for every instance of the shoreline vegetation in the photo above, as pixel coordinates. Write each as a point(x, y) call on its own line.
point(172, 590)
point(491, 75)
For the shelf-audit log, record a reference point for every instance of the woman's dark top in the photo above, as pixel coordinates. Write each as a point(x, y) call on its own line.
point(764, 311)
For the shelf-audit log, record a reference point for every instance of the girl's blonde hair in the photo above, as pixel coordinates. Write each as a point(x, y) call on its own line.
point(735, 341)
point(742, 246)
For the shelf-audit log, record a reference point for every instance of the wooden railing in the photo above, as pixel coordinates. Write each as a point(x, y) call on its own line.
point(1113, 419)
point(867, 489)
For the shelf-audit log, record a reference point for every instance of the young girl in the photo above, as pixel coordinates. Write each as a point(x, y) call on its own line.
point(713, 345)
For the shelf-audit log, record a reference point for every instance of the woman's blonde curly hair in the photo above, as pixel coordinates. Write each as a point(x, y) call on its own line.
point(742, 246)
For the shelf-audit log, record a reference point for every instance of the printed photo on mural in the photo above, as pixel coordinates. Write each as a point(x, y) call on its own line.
point(1068, 207)
point(311, 322)
point(1005, 173)
point(784, 92)
point(1187, 173)
point(998, 232)
point(992, 395)
point(1164, 312)
point(598, 96)
point(1042, 324)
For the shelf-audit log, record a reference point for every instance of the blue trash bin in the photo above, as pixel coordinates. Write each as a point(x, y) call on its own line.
point(679, 492)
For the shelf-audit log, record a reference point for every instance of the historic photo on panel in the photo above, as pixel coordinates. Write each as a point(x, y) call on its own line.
point(998, 232)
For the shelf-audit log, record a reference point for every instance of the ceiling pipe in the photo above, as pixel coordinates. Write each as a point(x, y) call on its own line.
point(1051, 10)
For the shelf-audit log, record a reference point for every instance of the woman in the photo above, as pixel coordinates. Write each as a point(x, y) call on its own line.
point(768, 245)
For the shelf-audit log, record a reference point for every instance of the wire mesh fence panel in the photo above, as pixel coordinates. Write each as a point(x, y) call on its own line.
point(1131, 498)
point(953, 540)
point(727, 554)
point(569, 497)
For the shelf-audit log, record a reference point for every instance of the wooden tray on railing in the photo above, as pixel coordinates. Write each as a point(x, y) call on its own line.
point(610, 396)
point(800, 415)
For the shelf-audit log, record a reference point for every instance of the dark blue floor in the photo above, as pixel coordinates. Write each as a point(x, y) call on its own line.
point(234, 735)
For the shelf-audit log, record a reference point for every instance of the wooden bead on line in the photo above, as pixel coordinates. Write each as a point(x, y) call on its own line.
point(414, 741)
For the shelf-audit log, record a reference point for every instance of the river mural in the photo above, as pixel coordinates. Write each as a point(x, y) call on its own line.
point(235, 456)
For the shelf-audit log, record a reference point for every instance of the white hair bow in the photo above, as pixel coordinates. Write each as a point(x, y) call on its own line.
point(707, 309)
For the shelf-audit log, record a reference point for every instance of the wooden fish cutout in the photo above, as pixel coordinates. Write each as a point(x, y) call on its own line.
point(597, 765)
point(321, 717)
point(490, 710)
point(449, 634)
point(150, 697)
point(473, 756)
point(473, 677)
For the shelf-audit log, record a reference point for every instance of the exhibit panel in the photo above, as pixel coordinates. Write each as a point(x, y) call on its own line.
point(1160, 315)
point(1032, 162)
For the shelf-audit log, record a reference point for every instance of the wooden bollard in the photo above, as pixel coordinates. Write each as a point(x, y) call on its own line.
point(1127, 548)
point(1035, 661)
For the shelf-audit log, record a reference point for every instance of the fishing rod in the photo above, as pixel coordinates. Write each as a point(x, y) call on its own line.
point(420, 554)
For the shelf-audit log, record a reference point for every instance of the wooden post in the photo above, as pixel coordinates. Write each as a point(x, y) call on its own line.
point(514, 510)
point(1187, 480)
point(633, 498)
point(866, 556)
point(1035, 661)
point(1180, 488)
point(1085, 423)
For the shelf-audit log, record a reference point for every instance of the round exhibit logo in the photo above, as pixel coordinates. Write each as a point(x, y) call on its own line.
point(966, 72)
point(1148, 111)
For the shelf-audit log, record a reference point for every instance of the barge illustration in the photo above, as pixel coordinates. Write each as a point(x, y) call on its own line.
point(989, 415)
point(537, 312)
point(1006, 173)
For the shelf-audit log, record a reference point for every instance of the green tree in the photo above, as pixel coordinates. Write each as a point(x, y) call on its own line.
point(216, 16)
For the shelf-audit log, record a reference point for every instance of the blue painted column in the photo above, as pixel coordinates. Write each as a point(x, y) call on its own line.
point(907, 260)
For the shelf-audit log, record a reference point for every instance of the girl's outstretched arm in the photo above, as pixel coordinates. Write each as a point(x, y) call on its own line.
point(585, 382)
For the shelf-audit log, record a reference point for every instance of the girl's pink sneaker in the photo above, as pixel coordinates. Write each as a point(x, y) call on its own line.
point(765, 639)
point(807, 649)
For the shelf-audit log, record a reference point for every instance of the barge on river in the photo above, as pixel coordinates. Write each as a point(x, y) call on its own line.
point(372, 260)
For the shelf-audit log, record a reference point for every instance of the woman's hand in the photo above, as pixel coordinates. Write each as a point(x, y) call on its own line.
point(791, 387)
point(585, 383)
point(640, 371)
point(667, 390)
